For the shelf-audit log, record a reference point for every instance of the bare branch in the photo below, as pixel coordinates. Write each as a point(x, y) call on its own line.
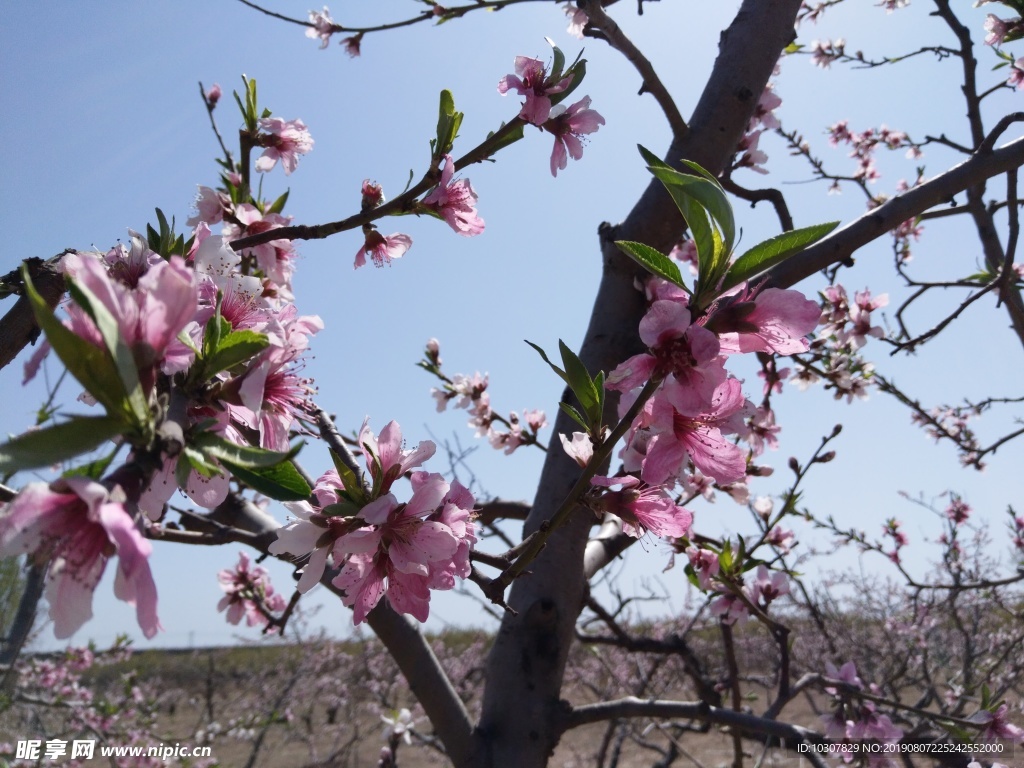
point(631, 706)
point(610, 31)
point(842, 244)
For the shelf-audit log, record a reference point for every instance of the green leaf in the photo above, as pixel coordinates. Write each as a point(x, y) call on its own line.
point(511, 137)
point(653, 261)
point(579, 71)
point(599, 384)
point(705, 190)
point(216, 327)
point(579, 379)
point(448, 123)
point(94, 470)
point(235, 348)
point(554, 367)
point(92, 366)
point(213, 446)
point(559, 60)
point(774, 250)
point(353, 488)
point(700, 231)
point(575, 415)
point(652, 159)
point(278, 205)
point(60, 442)
point(281, 482)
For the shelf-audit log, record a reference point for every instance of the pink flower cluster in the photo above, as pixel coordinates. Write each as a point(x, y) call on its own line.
point(567, 124)
point(824, 52)
point(470, 392)
point(891, 530)
point(763, 119)
point(248, 593)
point(259, 401)
point(850, 325)
point(857, 720)
point(863, 146)
point(398, 549)
point(698, 404)
point(455, 202)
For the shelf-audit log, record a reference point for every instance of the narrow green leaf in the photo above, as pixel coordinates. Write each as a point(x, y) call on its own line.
point(213, 446)
point(706, 191)
point(559, 60)
point(94, 470)
point(579, 71)
point(216, 327)
point(236, 347)
point(653, 261)
point(554, 367)
point(701, 232)
point(57, 443)
point(579, 378)
point(353, 487)
point(599, 384)
point(574, 415)
point(652, 159)
point(278, 205)
point(775, 250)
point(281, 482)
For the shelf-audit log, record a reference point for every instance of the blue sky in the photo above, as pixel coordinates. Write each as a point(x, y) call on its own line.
point(103, 122)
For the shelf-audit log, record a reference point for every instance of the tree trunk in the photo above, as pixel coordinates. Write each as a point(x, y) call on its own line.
point(520, 723)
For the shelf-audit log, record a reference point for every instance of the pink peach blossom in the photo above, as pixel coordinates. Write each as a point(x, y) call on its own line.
point(455, 201)
point(282, 140)
point(79, 525)
point(382, 249)
point(569, 125)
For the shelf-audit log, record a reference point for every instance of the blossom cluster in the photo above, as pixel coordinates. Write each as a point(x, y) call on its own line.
point(845, 329)
point(248, 593)
point(698, 403)
point(470, 393)
point(567, 124)
point(384, 547)
point(857, 720)
point(215, 352)
point(763, 119)
point(863, 146)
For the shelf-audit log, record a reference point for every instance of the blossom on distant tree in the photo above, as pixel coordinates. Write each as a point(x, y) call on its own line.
point(577, 20)
point(248, 593)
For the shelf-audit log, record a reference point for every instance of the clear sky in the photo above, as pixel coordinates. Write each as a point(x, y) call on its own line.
point(102, 120)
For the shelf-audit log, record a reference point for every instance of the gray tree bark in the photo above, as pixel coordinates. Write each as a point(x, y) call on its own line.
point(523, 715)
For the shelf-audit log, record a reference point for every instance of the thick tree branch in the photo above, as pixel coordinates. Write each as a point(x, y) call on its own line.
point(527, 662)
point(841, 244)
point(18, 327)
